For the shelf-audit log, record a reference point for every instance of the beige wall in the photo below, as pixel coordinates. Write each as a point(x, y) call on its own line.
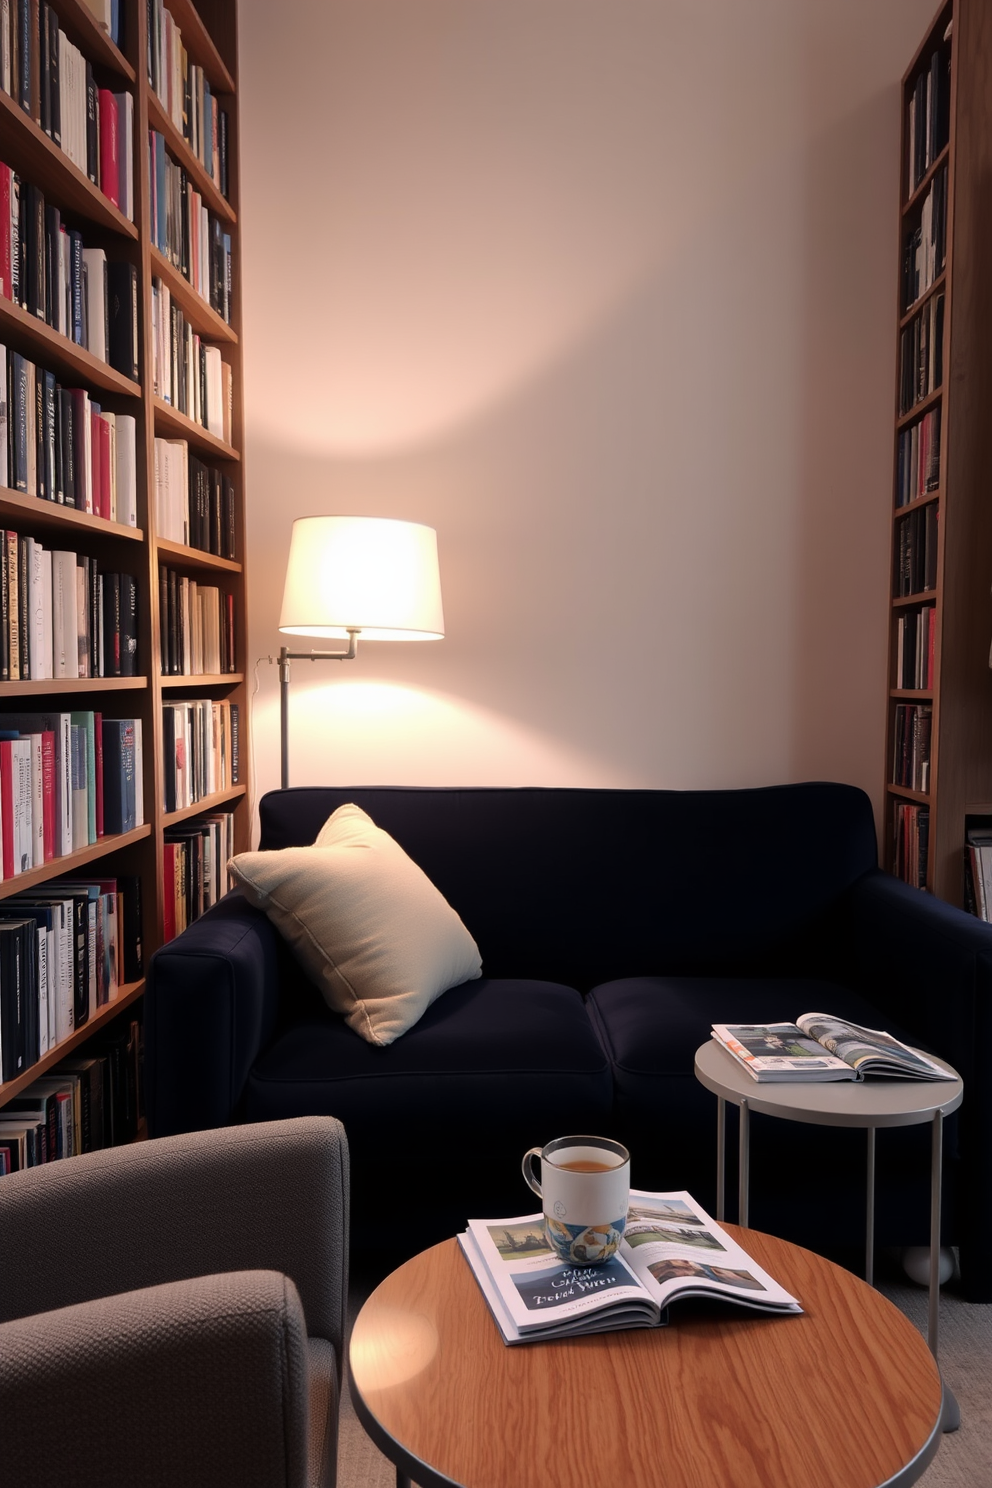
point(604, 290)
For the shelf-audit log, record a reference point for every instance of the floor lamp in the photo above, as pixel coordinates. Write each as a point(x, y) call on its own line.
point(356, 577)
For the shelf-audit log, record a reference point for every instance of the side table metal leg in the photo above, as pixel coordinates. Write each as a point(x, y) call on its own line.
point(952, 1411)
point(743, 1162)
point(402, 1481)
point(870, 1212)
point(721, 1154)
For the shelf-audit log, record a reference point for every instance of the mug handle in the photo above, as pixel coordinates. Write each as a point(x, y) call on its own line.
point(527, 1169)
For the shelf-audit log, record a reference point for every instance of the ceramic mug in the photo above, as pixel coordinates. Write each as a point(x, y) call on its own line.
point(584, 1190)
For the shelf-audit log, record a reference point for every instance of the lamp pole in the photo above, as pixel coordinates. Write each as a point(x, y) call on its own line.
point(284, 658)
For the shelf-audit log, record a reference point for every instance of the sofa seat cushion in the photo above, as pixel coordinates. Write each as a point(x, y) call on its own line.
point(650, 1029)
point(492, 1069)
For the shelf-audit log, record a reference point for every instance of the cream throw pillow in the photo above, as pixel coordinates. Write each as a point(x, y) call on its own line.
point(366, 923)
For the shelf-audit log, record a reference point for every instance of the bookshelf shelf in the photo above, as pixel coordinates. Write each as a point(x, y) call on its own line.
point(176, 683)
point(201, 315)
point(183, 155)
point(179, 553)
point(81, 26)
point(145, 855)
point(55, 687)
point(66, 865)
point(36, 513)
point(30, 152)
point(911, 204)
point(172, 424)
point(935, 288)
point(920, 408)
point(21, 331)
point(201, 807)
point(126, 995)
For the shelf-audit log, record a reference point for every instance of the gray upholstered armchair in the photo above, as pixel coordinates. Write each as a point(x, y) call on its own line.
point(173, 1312)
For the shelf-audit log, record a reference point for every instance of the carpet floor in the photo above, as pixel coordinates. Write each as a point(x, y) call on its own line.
point(964, 1458)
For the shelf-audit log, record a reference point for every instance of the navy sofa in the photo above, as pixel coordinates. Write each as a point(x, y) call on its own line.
point(615, 926)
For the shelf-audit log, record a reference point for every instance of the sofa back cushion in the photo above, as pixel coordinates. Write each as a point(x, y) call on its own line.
point(580, 886)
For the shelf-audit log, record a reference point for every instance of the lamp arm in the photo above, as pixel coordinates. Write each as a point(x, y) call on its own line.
point(284, 658)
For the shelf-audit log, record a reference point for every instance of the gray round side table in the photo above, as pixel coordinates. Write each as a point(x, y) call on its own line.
point(870, 1104)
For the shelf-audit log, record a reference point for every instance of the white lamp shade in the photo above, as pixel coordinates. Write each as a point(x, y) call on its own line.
point(371, 574)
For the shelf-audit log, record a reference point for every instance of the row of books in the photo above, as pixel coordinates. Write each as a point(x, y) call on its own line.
point(53, 82)
point(194, 503)
point(978, 870)
point(911, 830)
point(925, 246)
point(46, 269)
point(911, 746)
point(61, 615)
point(66, 781)
point(929, 115)
point(916, 551)
point(921, 354)
point(915, 636)
point(918, 462)
point(188, 372)
point(66, 948)
point(185, 94)
point(60, 445)
point(200, 750)
point(82, 1105)
point(184, 230)
point(196, 625)
point(196, 856)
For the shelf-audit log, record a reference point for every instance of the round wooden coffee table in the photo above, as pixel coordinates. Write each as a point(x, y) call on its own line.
point(845, 1396)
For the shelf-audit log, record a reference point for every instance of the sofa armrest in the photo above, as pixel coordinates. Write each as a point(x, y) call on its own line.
point(265, 1197)
point(925, 964)
point(210, 1007)
point(195, 1382)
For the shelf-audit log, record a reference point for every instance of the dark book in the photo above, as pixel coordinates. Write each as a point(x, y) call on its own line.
point(46, 472)
point(16, 269)
point(43, 1108)
point(230, 520)
point(92, 127)
point(169, 759)
point(76, 286)
point(129, 926)
point(222, 148)
point(163, 619)
point(175, 642)
point(122, 317)
point(23, 609)
point(91, 1092)
point(118, 775)
point(54, 83)
point(67, 423)
point(36, 252)
point(112, 625)
point(18, 1019)
point(119, 1045)
point(53, 233)
point(129, 626)
point(24, 50)
point(235, 744)
point(44, 70)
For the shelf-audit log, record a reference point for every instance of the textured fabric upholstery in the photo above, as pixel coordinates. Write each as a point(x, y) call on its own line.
point(198, 1258)
point(194, 1382)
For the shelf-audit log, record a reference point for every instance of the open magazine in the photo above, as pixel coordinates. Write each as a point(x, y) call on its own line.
point(819, 1047)
point(671, 1249)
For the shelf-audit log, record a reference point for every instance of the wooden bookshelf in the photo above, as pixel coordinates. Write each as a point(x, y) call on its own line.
point(209, 35)
point(960, 757)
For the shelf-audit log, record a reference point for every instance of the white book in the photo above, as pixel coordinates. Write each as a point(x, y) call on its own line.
point(125, 123)
point(21, 752)
point(126, 465)
point(57, 724)
point(37, 803)
point(4, 419)
point(46, 609)
point(40, 662)
point(95, 299)
point(215, 391)
point(110, 419)
point(45, 1020)
point(65, 630)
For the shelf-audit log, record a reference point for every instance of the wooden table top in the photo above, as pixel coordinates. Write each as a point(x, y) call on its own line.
point(845, 1396)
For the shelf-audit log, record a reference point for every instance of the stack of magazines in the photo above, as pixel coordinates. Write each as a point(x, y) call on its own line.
point(671, 1250)
point(819, 1047)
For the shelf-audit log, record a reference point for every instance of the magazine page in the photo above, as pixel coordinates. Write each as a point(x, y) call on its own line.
point(530, 1289)
point(781, 1050)
point(864, 1048)
point(677, 1250)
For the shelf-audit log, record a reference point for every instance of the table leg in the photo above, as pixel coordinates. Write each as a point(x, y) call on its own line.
point(870, 1212)
point(743, 1163)
point(952, 1411)
point(721, 1154)
point(402, 1481)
